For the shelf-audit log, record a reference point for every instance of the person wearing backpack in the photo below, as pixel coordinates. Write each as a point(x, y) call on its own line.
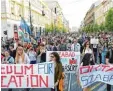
point(109, 60)
point(7, 59)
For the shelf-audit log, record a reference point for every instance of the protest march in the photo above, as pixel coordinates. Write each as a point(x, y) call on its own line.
point(49, 64)
point(56, 45)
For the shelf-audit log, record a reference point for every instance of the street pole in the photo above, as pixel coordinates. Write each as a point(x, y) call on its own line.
point(31, 25)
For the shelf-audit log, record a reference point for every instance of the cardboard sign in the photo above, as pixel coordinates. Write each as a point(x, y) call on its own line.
point(94, 41)
point(70, 60)
point(94, 73)
point(27, 76)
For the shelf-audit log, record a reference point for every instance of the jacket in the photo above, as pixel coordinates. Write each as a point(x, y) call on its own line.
point(58, 72)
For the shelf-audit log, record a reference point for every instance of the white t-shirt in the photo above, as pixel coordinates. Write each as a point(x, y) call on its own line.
point(88, 50)
point(32, 55)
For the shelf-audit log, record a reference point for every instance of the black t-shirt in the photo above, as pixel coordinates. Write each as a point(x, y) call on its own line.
point(110, 58)
point(13, 53)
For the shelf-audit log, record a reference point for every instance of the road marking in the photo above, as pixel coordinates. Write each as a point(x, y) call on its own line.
point(102, 88)
point(92, 88)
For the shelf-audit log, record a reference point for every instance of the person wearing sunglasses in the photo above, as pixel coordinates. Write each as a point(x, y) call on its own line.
point(87, 48)
point(54, 56)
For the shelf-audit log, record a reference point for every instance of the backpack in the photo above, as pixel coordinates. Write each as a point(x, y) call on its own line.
point(7, 59)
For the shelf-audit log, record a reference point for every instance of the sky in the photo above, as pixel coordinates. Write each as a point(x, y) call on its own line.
point(75, 10)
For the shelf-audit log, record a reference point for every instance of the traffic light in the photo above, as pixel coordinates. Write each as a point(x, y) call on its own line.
point(5, 32)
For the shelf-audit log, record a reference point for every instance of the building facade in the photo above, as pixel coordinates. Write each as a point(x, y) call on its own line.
point(101, 10)
point(13, 10)
point(66, 24)
point(89, 18)
point(56, 12)
point(98, 11)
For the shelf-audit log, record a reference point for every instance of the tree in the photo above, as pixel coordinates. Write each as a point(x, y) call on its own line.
point(102, 27)
point(109, 20)
point(95, 27)
point(49, 28)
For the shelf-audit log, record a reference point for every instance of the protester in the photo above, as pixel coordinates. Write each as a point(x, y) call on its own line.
point(21, 56)
point(42, 53)
point(32, 56)
point(62, 46)
point(58, 69)
point(104, 52)
point(7, 59)
point(87, 48)
point(75, 46)
point(12, 51)
point(53, 47)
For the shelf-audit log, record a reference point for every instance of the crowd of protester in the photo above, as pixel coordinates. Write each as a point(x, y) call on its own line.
point(34, 51)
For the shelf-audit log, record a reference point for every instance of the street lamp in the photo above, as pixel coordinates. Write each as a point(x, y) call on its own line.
point(31, 25)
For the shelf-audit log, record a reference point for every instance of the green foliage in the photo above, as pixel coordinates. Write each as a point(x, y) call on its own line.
point(109, 20)
point(105, 26)
point(102, 27)
point(91, 28)
point(51, 28)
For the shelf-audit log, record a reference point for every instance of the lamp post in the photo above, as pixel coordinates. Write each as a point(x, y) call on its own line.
point(31, 25)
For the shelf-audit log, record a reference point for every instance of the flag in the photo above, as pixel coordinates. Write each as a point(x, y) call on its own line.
point(24, 26)
point(21, 33)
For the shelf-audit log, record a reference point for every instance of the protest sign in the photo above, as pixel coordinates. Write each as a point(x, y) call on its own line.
point(27, 76)
point(94, 41)
point(70, 60)
point(95, 73)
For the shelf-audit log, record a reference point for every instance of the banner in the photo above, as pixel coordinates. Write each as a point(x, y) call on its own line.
point(27, 76)
point(94, 41)
point(94, 73)
point(70, 60)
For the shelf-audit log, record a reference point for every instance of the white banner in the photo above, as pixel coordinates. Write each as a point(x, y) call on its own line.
point(27, 76)
point(70, 60)
point(94, 41)
point(94, 73)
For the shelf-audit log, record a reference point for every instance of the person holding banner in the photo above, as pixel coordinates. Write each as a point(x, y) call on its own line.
point(88, 58)
point(58, 69)
point(21, 56)
point(109, 60)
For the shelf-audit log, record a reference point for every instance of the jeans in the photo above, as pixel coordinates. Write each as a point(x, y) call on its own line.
point(95, 55)
point(33, 62)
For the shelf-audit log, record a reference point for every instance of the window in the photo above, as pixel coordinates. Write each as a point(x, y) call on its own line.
point(13, 7)
point(19, 10)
